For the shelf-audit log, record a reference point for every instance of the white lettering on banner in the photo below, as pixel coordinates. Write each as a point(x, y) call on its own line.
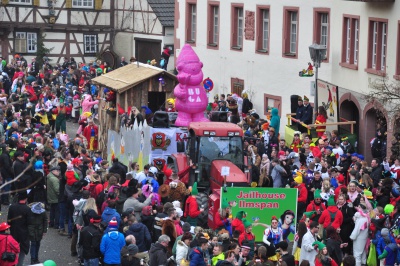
point(196, 92)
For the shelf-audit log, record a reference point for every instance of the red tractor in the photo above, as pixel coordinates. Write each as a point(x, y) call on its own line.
point(212, 146)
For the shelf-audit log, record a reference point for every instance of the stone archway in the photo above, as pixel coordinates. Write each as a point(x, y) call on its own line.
point(375, 117)
point(350, 112)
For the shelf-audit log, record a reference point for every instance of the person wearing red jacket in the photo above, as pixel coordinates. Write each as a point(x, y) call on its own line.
point(221, 218)
point(316, 206)
point(331, 216)
point(237, 223)
point(302, 194)
point(248, 237)
point(8, 244)
point(91, 133)
point(340, 180)
point(192, 210)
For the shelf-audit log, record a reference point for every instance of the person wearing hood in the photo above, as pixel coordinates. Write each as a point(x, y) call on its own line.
point(360, 235)
point(37, 227)
point(110, 213)
point(275, 120)
point(38, 187)
point(158, 251)
point(6, 172)
point(111, 244)
point(277, 172)
point(383, 242)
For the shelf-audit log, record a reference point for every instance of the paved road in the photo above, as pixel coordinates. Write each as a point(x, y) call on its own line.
point(53, 246)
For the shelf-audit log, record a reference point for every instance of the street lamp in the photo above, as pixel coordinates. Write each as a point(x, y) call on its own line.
point(317, 54)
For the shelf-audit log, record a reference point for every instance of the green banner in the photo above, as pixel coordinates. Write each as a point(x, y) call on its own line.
point(261, 204)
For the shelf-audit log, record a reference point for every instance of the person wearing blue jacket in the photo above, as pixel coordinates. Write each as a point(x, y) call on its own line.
point(152, 179)
point(111, 244)
point(109, 213)
point(141, 234)
point(196, 257)
point(275, 120)
point(385, 239)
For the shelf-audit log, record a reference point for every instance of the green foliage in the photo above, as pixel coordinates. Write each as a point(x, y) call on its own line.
point(42, 50)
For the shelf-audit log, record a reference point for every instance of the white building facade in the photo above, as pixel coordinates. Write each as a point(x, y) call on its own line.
point(261, 46)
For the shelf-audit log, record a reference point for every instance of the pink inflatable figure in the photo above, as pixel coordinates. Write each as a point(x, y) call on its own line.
point(191, 98)
point(87, 105)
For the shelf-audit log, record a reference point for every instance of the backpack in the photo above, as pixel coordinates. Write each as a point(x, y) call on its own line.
point(332, 215)
point(387, 223)
point(77, 216)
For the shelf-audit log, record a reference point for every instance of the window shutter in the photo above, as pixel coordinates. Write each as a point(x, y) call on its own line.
point(4, 2)
point(36, 2)
point(98, 4)
point(68, 4)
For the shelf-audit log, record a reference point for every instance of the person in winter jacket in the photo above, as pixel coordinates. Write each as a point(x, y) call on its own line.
point(133, 202)
point(112, 243)
point(110, 212)
point(277, 172)
point(182, 248)
point(237, 223)
point(71, 175)
point(8, 243)
point(275, 120)
point(322, 257)
point(53, 192)
point(331, 216)
point(141, 234)
point(90, 239)
point(192, 210)
point(158, 251)
point(196, 257)
point(303, 194)
point(384, 241)
point(37, 227)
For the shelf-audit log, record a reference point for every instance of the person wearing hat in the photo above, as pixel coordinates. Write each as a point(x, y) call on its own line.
point(344, 163)
point(322, 258)
point(248, 236)
point(237, 223)
point(90, 239)
point(316, 206)
point(299, 112)
point(18, 217)
point(359, 235)
point(18, 168)
point(340, 182)
point(8, 244)
point(134, 203)
point(331, 216)
point(329, 156)
point(53, 193)
point(112, 243)
point(129, 252)
point(346, 146)
point(192, 210)
point(91, 132)
point(37, 227)
point(302, 194)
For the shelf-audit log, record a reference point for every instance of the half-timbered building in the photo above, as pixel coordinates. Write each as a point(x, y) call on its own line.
point(87, 29)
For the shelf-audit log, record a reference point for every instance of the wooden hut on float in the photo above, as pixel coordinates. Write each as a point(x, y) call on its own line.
point(133, 85)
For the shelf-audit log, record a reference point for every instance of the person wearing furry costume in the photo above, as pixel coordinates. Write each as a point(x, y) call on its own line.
point(169, 229)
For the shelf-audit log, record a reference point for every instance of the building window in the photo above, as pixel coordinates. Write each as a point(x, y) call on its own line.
point(213, 25)
point(272, 101)
point(191, 18)
point(350, 41)
point(25, 42)
point(237, 27)
point(397, 73)
point(25, 2)
point(90, 44)
point(290, 31)
point(262, 29)
point(377, 46)
point(321, 28)
point(82, 3)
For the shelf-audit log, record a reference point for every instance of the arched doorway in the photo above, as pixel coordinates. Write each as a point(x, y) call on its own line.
point(374, 120)
point(349, 112)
